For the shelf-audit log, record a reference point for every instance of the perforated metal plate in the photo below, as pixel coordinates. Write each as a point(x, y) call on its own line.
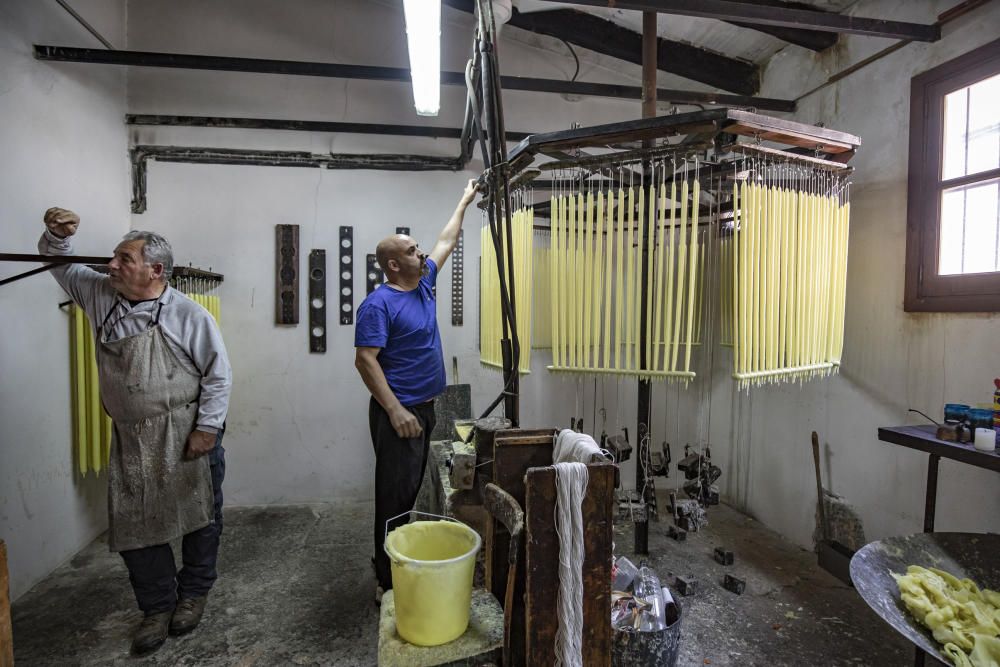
point(317, 301)
point(286, 295)
point(346, 268)
point(373, 274)
point(457, 276)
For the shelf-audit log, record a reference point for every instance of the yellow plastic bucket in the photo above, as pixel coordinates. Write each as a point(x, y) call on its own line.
point(432, 566)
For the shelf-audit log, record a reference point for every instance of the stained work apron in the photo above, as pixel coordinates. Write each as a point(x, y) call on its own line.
point(154, 494)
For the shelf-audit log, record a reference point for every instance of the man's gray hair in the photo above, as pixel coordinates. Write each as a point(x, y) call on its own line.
point(155, 250)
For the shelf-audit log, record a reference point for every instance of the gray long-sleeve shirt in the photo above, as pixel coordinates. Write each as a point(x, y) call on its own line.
point(188, 328)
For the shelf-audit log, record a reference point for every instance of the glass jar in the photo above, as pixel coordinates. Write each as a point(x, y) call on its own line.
point(980, 418)
point(955, 413)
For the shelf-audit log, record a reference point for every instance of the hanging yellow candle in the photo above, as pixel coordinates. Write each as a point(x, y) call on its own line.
point(693, 273)
point(762, 230)
point(598, 286)
point(554, 272)
point(651, 247)
point(620, 281)
point(608, 263)
point(670, 315)
point(637, 315)
point(571, 278)
point(630, 278)
point(681, 275)
point(79, 358)
point(660, 250)
point(734, 246)
point(585, 279)
point(93, 407)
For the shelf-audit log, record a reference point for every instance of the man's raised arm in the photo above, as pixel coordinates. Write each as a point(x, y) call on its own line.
point(448, 238)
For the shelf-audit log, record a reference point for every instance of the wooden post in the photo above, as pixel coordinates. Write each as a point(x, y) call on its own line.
point(6, 634)
point(644, 391)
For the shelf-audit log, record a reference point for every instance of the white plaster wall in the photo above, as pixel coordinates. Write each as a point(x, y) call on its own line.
point(892, 360)
point(298, 421)
point(63, 144)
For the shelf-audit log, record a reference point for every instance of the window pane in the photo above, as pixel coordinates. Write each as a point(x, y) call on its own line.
point(955, 118)
point(970, 230)
point(972, 129)
point(984, 125)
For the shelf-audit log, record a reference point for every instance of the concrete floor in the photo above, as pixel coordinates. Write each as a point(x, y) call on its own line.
point(296, 589)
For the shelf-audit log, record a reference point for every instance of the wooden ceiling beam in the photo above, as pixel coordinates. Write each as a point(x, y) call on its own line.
point(608, 38)
point(786, 17)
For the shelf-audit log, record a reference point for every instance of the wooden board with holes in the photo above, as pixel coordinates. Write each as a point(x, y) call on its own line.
point(542, 566)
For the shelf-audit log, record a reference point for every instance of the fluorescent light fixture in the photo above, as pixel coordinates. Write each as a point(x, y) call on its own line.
point(423, 36)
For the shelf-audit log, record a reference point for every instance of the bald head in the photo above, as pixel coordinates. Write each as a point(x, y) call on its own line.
point(391, 247)
point(401, 259)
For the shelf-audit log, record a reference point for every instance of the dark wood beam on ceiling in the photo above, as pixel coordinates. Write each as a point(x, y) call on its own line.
point(603, 36)
point(814, 40)
point(608, 38)
point(298, 68)
point(728, 10)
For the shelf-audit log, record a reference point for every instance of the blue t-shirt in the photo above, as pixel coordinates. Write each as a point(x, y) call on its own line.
point(404, 325)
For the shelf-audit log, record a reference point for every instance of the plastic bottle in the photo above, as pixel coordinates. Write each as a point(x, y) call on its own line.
point(647, 586)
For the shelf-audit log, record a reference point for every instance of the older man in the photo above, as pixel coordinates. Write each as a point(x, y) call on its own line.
point(165, 381)
point(398, 354)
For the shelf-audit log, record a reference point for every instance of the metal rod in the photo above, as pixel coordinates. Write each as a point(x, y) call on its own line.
point(373, 73)
point(32, 272)
point(53, 259)
point(83, 22)
point(307, 126)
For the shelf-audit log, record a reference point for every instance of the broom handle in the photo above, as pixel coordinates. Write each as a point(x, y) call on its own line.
point(819, 488)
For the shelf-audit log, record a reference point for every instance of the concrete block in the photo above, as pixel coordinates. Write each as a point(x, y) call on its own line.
point(723, 556)
point(463, 465)
point(731, 583)
point(482, 642)
point(676, 533)
point(686, 585)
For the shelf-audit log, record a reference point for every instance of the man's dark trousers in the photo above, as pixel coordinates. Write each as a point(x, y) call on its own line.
point(399, 470)
point(155, 580)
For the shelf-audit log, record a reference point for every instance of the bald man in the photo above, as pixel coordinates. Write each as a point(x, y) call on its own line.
point(398, 354)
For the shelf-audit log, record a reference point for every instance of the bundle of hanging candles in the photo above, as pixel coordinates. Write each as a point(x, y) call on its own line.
point(490, 325)
point(91, 425)
point(788, 280)
point(596, 273)
point(776, 224)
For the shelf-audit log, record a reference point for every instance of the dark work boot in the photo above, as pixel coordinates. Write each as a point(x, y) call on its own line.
point(152, 633)
point(187, 615)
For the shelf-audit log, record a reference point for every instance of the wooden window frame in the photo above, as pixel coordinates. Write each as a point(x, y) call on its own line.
point(926, 291)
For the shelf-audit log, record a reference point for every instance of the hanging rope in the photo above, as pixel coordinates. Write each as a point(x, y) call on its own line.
point(571, 487)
